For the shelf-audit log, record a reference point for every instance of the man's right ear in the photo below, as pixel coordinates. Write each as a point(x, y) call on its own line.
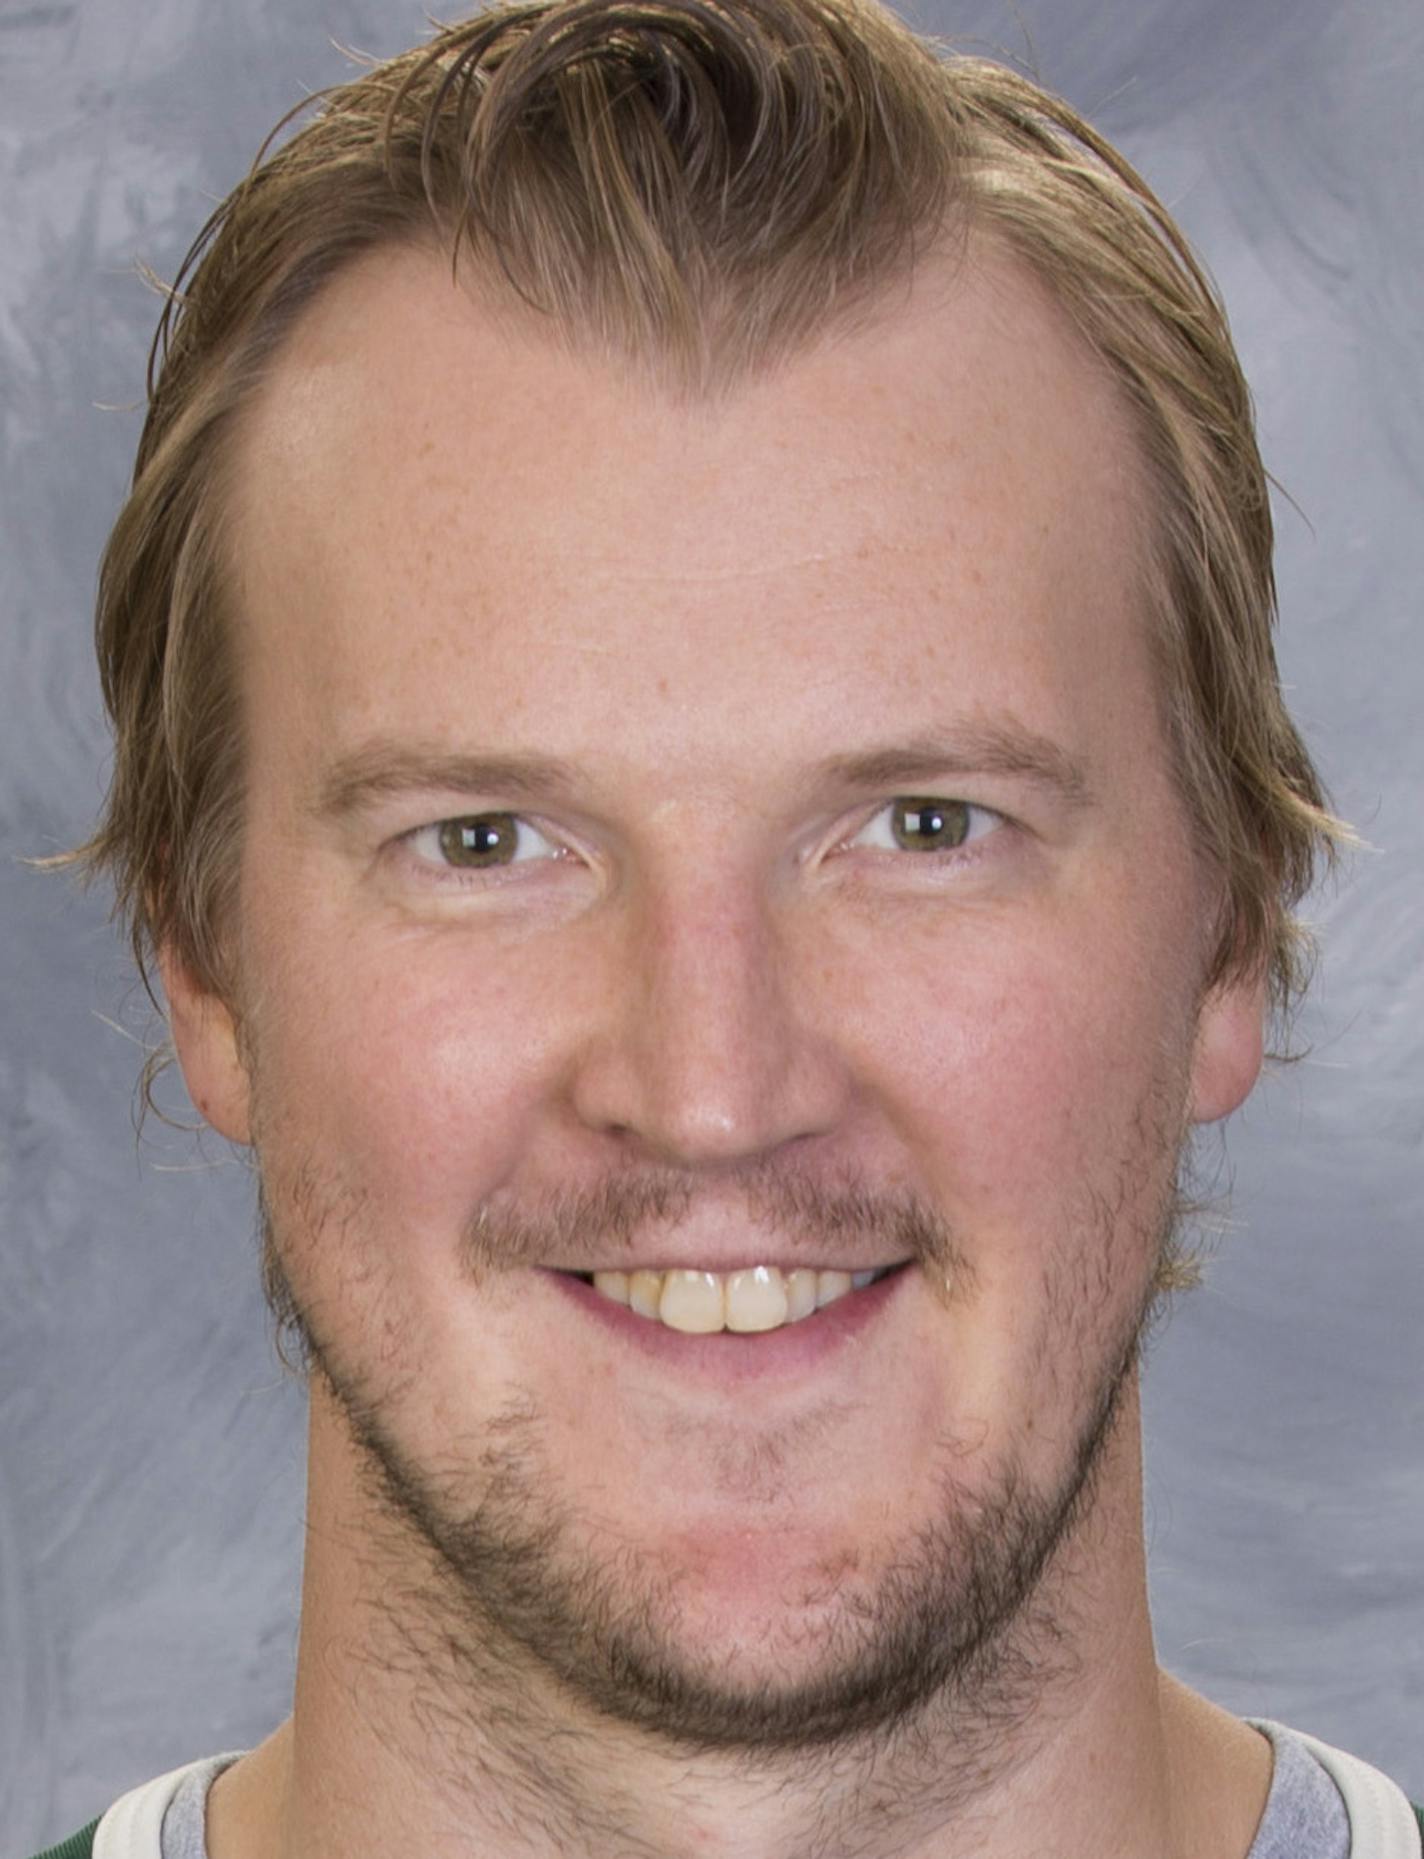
point(205, 1039)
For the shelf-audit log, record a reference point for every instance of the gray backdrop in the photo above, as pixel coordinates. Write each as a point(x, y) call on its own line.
point(150, 1451)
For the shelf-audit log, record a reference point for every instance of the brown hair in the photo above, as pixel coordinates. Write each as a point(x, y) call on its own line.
point(696, 186)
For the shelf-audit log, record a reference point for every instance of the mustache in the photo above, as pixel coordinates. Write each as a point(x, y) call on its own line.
point(620, 1213)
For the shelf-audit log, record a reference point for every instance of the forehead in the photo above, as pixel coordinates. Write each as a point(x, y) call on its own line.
point(446, 521)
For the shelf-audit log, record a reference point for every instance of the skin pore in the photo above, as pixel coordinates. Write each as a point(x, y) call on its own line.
point(871, 1585)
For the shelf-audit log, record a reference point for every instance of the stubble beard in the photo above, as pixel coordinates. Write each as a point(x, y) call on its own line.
point(961, 1636)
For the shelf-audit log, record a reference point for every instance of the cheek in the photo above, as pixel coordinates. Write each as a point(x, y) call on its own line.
point(1041, 1106)
point(408, 1070)
point(1025, 1081)
point(393, 1092)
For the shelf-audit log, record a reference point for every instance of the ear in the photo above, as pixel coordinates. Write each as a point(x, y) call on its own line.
point(205, 1039)
point(1230, 1047)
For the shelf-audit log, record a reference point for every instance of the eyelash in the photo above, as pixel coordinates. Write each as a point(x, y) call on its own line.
point(982, 823)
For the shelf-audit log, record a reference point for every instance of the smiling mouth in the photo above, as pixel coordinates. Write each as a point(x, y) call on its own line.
point(759, 1298)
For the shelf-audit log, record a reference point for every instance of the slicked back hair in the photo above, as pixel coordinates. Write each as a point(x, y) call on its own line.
point(698, 189)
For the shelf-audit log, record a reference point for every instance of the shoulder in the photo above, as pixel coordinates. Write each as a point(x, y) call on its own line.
point(1384, 1823)
point(132, 1827)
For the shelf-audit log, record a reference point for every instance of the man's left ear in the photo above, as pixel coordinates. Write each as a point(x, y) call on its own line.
point(1230, 1047)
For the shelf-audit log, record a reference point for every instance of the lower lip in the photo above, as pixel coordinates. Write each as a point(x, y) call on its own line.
point(732, 1356)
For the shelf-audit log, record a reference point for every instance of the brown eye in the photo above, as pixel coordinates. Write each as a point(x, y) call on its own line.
point(483, 839)
point(930, 825)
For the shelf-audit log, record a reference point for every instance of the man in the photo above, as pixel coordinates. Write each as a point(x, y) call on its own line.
point(700, 758)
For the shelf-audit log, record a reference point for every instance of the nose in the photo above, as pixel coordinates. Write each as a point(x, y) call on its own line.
point(705, 1054)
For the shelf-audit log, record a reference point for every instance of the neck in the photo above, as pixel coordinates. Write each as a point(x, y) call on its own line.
point(1085, 1749)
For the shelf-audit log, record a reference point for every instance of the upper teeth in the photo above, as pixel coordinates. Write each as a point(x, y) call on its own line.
point(762, 1297)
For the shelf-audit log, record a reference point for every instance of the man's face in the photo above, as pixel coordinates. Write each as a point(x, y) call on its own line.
point(704, 838)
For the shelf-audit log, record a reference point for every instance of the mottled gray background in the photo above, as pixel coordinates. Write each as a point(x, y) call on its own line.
point(150, 1452)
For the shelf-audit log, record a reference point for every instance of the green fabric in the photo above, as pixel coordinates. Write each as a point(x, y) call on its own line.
point(77, 1846)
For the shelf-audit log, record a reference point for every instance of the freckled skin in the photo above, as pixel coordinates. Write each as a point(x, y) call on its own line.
point(472, 543)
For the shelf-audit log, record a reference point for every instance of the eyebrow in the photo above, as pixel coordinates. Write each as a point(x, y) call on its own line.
point(382, 771)
point(979, 748)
